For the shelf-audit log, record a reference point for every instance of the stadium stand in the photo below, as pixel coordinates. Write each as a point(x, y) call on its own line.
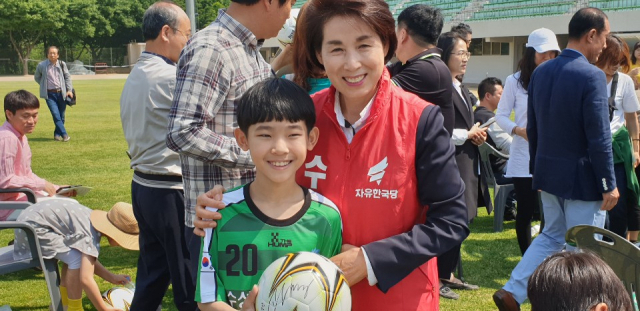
point(449, 7)
point(503, 9)
point(479, 10)
point(615, 5)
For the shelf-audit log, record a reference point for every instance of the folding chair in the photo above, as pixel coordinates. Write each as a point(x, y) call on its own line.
point(9, 265)
point(622, 256)
point(31, 198)
point(500, 192)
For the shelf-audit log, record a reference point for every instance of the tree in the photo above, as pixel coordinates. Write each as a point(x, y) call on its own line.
point(26, 21)
point(208, 11)
point(114, 16)
point(77, 25)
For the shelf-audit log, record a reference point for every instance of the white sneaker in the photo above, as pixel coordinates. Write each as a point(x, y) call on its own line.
point(535, 230)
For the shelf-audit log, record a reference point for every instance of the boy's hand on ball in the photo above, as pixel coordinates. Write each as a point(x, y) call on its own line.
point(352, 263)
point(249, 304)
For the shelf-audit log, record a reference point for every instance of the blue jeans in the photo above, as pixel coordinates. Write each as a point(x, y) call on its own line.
point(57, 106)
point(559, 215)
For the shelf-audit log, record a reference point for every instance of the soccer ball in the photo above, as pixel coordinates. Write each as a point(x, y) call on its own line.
point(118, 297)
point(303, 281)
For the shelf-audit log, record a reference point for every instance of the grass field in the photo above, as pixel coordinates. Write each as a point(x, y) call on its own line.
point(96, 157)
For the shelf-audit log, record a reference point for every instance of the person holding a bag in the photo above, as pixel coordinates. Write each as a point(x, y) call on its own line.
point(623, 104)
point(55, 87)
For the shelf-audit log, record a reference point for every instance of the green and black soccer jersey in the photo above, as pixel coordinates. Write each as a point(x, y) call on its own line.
point(235, 253)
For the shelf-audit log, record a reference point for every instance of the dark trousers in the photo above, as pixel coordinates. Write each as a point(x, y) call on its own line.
point(634, 211)
point(164, 257)
point(527, 204)
point(448, 261)
point(194, 244)
point(618, 217)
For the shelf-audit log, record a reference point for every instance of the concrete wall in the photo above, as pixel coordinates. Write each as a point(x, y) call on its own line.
point(134, 50)
point(480, 67)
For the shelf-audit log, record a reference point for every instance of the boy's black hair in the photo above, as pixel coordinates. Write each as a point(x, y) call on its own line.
point(18, 100)
point(572, 281)
point(275, 99)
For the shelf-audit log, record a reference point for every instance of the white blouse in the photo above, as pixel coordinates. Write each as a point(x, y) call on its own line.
point(459, 135)
point(625, 101)
point(514, 97)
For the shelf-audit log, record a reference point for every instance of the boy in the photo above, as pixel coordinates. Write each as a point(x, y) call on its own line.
point(273, 215)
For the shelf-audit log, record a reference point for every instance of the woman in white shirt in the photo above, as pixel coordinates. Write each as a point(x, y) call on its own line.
point(623, 105)
point(542, 45)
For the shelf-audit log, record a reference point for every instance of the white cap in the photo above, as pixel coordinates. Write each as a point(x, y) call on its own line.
point(543, 40)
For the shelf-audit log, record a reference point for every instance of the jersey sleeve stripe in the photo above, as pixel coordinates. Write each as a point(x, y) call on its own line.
point(326, 202)
point(233, 196)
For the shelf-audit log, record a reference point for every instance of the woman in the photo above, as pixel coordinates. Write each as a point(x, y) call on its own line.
point(309, 77)
point(467, 136)
point(304, 74)
point(383, 157)
point(635, 76)
point(542, 45)
point(623, 105)
point(635, 65)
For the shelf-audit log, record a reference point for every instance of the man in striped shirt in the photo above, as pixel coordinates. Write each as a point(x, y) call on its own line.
point(216, 67)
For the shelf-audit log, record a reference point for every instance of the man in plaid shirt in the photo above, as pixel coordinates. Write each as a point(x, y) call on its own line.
point(217, 66)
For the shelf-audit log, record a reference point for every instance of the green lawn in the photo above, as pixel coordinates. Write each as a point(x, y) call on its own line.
point(96, 157)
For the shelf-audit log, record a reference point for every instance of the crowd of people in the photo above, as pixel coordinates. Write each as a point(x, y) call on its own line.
point(378, 170)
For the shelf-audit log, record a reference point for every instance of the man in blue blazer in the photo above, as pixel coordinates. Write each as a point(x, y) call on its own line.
point(570, 146)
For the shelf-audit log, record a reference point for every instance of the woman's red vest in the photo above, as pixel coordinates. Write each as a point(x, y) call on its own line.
point(373, 182)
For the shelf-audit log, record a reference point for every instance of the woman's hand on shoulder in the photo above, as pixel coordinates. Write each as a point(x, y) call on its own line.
point(206, 218)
